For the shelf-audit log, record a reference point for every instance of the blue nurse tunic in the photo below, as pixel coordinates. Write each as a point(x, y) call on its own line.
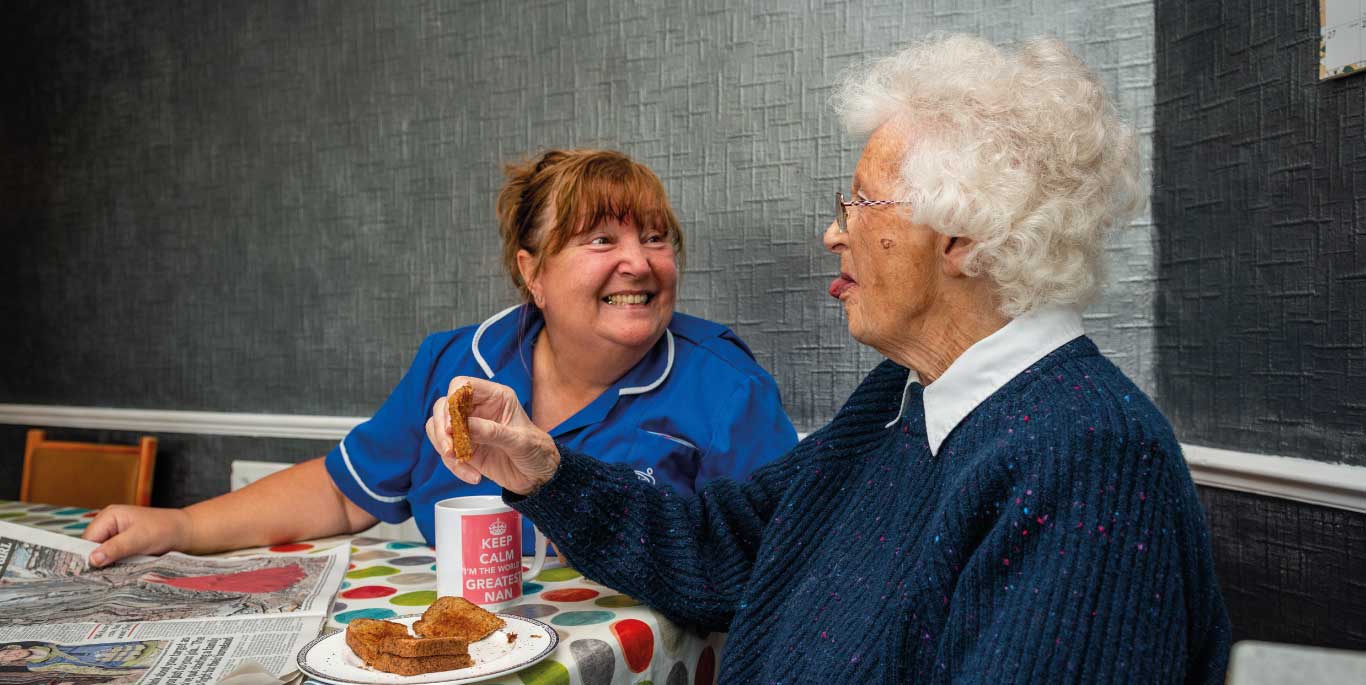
point(696, 407)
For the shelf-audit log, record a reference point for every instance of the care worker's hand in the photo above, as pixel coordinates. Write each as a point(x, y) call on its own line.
point(508, 447)
point(127, 530)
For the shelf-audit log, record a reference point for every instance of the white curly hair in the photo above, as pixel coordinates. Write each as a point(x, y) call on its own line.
point(1018, 150)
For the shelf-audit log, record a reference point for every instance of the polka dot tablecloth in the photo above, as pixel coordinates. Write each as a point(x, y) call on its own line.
point(605, 636)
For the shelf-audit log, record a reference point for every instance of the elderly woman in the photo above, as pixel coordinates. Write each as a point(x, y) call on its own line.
point(996, 502)
point(595, 354)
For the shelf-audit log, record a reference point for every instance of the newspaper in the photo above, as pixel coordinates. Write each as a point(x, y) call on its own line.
point(175, 618)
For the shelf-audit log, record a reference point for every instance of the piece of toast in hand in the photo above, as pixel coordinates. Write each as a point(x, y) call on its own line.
point(457, 617)
point(459, 404)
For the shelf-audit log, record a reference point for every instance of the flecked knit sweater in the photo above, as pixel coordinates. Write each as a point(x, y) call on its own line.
point(1055, 537)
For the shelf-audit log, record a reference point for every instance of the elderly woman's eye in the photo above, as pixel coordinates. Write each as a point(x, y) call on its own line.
point(599, 240)
point(654, 238)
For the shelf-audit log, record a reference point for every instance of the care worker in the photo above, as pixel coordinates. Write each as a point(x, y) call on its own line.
point(595, 353)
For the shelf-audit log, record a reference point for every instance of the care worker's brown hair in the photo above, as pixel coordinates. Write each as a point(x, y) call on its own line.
point(549, 199)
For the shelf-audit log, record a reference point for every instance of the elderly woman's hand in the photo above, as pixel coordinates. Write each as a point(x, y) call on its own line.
point(508, 447)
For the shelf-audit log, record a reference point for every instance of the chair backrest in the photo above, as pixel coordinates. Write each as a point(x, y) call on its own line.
point(86, 474)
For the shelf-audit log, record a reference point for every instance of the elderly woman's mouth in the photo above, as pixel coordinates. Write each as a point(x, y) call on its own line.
point(628, 298)
point(841, 284)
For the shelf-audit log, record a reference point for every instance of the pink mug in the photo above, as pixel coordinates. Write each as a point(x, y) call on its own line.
point(479, 551)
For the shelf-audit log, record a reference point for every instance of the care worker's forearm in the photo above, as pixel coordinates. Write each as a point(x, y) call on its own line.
point(298, 503)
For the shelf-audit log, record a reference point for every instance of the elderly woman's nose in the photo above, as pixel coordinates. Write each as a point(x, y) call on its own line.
point(834, 240)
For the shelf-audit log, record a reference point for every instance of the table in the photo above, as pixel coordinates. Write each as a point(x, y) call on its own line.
point(605, 636)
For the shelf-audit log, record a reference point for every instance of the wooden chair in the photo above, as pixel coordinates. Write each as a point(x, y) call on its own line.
point(87, 474)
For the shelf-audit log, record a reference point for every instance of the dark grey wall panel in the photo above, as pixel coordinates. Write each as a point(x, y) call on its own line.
point(1259, 192)
point(264, 206)
point(1290, 572)
point(189, 468)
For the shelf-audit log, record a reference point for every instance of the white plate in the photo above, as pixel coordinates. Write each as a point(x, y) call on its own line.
point(329, 659)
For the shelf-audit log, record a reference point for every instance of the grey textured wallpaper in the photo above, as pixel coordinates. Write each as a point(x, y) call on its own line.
point(264, 207)
point(1260, 175)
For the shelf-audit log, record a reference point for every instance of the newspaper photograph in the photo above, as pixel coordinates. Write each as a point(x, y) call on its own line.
point(49, 662)
point(170, 619)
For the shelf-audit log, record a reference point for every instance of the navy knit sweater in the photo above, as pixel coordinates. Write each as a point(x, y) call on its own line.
point(1056, 537)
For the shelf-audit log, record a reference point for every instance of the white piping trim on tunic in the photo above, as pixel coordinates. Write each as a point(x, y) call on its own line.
point(346, 457)
point(640, 389)
point(478, 333)
point(667, 367)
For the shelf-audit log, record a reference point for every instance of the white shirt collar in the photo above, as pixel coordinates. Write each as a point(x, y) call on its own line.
point(988, 365)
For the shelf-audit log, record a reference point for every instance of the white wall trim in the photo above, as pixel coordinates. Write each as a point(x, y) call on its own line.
point(300, 426)
point(1331, 485)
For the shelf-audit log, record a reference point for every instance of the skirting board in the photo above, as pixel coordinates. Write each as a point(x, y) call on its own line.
point(1330, 485)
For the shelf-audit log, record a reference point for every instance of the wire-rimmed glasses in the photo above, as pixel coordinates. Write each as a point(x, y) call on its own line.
point(842, 209)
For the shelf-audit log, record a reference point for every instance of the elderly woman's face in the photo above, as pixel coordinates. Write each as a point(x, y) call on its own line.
point(610, 284)
point(889, 272)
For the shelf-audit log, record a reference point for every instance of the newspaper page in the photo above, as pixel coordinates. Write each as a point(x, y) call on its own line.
point(175, 618)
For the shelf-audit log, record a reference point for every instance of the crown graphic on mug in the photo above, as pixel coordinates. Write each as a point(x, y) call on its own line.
point(479, 551)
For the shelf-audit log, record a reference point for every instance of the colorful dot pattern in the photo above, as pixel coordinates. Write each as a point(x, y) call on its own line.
point(615, 639)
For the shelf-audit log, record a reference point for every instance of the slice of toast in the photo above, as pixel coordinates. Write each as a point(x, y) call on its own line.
point(370, 635)
point(459, 404)
point(424, 646)
point(458, 618)
point(364, 635)
point(405, 665)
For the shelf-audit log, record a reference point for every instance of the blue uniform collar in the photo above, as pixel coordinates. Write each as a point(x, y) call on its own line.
point(502, 346)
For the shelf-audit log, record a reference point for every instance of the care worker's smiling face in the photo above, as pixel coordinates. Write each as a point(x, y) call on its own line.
point(613, 283)
point(890, 275)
